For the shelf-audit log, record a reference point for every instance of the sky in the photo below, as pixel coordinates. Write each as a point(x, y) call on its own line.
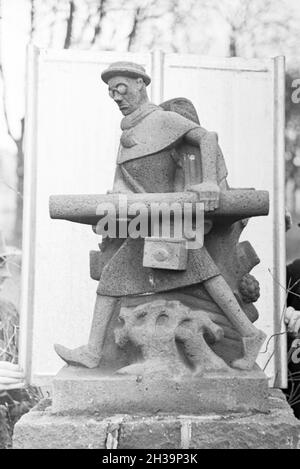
point(14, 37)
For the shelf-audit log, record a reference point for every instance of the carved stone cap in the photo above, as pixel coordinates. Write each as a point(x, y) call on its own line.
point(127, 69)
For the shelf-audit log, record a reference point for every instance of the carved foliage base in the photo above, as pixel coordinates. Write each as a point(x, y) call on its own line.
point(171, 337)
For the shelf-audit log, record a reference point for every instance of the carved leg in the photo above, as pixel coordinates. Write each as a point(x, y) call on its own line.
point(252, 338)
point(198, 352)
point(89, 355)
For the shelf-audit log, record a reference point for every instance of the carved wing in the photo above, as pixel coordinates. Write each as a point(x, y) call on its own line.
point(182, 106)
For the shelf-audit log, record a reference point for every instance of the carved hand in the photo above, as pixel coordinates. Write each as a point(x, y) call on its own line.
point(209, 193)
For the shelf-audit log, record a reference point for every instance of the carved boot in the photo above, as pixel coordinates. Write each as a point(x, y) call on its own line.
point(251, 346)
point(252, 338)
point(80, 356)
point(90, 355)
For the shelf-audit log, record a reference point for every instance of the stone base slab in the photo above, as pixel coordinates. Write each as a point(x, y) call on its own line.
point(277, 429)
point(79, 390)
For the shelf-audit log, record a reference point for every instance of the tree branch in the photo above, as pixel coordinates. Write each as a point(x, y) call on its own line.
point(32, 18)
point(4, 102)
point(70, 20)
point(132, 35)
point(101, 12)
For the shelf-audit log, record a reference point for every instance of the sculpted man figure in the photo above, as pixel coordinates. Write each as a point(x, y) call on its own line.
point(151, 159)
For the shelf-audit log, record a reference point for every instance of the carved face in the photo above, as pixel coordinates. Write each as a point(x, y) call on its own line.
point(127, 93)
point(147, 322)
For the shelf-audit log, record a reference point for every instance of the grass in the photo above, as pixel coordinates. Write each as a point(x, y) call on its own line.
point(13, 403)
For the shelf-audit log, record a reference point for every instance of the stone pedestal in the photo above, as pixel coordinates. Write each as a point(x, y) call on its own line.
point(178, 394)
point(276, 428)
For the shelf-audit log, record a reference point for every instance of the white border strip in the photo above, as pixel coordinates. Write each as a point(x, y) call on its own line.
point(280, 379)
point(29, 213)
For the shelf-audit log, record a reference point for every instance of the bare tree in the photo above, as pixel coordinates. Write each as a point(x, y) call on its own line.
point(188, 26)
point(96, 12)
point(150, 23)
point(100, 15)
point(137, 18)
point(32, 17)
point(20, 164)
point(164, 24)
point(18, 140)
point(141, 13)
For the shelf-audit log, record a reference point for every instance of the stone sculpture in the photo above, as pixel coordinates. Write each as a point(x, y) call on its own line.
point(187, 311)
point(172, 336)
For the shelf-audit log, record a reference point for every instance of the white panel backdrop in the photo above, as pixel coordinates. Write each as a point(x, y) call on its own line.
point(72, 133)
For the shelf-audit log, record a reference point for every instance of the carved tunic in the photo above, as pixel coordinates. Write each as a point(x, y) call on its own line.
point(150, 156)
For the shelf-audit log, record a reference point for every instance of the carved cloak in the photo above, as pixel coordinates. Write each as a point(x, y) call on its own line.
point(149, 157)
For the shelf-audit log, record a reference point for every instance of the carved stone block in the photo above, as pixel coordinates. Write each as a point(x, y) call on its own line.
point(165, 253)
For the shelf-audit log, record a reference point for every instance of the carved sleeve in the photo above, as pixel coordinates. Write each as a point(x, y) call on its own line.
point(208, 144)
